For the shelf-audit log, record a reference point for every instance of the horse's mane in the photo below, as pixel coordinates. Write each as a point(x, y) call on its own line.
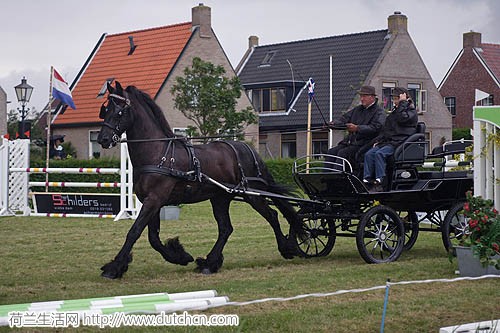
point(145, 99)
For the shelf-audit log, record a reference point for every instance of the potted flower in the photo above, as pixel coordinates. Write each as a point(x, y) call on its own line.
point(482, 240)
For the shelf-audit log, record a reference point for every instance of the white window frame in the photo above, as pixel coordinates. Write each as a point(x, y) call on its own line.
point(424, 101)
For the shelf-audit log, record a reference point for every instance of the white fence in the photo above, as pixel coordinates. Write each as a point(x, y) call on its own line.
point(487, 153)
point(14, 181)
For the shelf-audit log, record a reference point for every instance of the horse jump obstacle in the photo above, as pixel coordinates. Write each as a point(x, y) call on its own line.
point(14, 171)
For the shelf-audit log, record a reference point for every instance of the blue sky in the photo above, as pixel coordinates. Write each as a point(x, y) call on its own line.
point(37, 34)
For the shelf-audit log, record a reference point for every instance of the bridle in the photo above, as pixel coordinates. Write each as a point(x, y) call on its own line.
point(121, 111)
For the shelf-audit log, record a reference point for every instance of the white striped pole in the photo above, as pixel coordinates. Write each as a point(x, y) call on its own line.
point(122, 302)
point(74, 184)
point(103, 216)
point(451, 164)
point(68, 170)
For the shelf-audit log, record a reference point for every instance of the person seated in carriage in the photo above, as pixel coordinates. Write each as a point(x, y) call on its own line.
point(363, 123)
point(399, 125)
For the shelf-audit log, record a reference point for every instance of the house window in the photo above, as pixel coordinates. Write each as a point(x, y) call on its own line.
point(387, 88)
point(320, 143)
point(486, 101)
point(450, 103)
point(94, 146)
point(268, 99)
point(418, 96)
point(267, 58)
point(288, 146)
point(104, 87)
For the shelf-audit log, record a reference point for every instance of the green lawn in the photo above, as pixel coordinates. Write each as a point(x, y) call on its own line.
point(46, 259)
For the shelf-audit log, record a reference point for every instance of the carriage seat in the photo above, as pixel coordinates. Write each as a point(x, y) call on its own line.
point(412, 150)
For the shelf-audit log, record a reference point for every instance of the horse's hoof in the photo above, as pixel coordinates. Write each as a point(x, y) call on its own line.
point(109, 275)
point(206, 271)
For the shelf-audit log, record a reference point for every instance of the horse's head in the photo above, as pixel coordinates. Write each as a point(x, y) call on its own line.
point(116, 115)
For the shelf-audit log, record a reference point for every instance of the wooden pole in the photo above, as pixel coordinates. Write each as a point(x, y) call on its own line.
point(309, 140)
point(49, 111)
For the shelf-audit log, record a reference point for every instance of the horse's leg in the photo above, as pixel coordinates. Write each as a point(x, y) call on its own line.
point(286, 246)
point(290, 215)
point(214, 260)
point(172, 251)
point(118, 266)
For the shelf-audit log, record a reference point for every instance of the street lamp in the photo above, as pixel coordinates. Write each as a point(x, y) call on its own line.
point(23, 92)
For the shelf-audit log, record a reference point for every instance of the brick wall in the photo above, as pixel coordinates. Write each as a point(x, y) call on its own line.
point(467, 75)
point(402, 64)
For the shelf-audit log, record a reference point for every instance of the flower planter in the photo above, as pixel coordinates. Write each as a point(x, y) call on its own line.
point(170, 213)
point(468, 265)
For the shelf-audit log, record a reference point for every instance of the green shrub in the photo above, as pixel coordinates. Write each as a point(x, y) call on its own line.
point(461, 133)
point(281, 169)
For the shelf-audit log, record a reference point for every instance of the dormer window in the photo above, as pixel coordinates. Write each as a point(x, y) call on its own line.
point(267, 59)
point(104, 88)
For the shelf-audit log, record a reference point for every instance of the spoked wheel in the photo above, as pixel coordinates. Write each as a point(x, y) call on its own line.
point(455, 227)
point(410, 222)
point(318, 239)
point(380, 235)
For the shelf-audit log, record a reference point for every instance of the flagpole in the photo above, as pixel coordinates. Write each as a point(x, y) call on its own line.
point(309, 111)
point(48, 128)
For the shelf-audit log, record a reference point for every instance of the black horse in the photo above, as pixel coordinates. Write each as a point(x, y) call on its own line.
point(170, 171)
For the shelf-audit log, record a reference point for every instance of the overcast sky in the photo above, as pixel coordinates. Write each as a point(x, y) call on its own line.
point(36, 34)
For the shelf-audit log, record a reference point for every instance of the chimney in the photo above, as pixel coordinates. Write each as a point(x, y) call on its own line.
point(201, 17)
point(397, 23)
point(472, 39)
point(253, 41)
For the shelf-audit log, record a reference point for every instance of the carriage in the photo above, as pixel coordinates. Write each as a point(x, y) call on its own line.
point(171, 170)
point(384, 223)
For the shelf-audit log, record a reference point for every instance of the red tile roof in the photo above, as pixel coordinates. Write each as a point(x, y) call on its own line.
point(491, 55)
point(147, 68)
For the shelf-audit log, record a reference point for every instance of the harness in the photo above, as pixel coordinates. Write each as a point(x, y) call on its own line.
point(194, 172)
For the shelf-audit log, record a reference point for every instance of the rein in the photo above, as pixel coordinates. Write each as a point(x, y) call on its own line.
point(178, 138)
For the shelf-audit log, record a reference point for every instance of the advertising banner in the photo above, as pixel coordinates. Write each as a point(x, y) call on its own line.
point(75, 203)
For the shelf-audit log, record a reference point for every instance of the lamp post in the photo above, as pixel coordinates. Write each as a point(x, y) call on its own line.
point(23, 92)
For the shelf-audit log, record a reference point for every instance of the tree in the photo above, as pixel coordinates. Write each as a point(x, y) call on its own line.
point(208, 98)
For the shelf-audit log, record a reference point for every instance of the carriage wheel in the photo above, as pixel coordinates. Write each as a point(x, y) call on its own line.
point(455, 226)
point(410, 222)
point(380, 235)
point(319, 238)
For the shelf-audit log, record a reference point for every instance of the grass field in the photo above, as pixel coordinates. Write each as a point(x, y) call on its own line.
point(46, 259)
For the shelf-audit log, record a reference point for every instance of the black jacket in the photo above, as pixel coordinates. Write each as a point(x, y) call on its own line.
point(399, 125)
point(370, 122)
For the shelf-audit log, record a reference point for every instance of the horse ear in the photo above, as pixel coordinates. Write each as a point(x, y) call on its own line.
point(119, 88)
point(110, 88)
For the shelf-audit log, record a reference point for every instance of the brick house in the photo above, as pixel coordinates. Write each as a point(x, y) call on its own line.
point(274, 76)
point(149, 59)
point(477, 66)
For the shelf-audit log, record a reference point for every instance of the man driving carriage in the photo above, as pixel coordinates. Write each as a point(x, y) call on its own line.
point(363, 123)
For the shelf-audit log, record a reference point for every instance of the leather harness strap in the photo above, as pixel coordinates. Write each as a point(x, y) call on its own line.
point(194, 173)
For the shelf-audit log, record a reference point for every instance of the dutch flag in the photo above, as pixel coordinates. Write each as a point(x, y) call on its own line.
point(60, 90)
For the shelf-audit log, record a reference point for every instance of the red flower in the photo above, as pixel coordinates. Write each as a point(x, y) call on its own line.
point(466, 206)
point(472, 223)
point(495, 247)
